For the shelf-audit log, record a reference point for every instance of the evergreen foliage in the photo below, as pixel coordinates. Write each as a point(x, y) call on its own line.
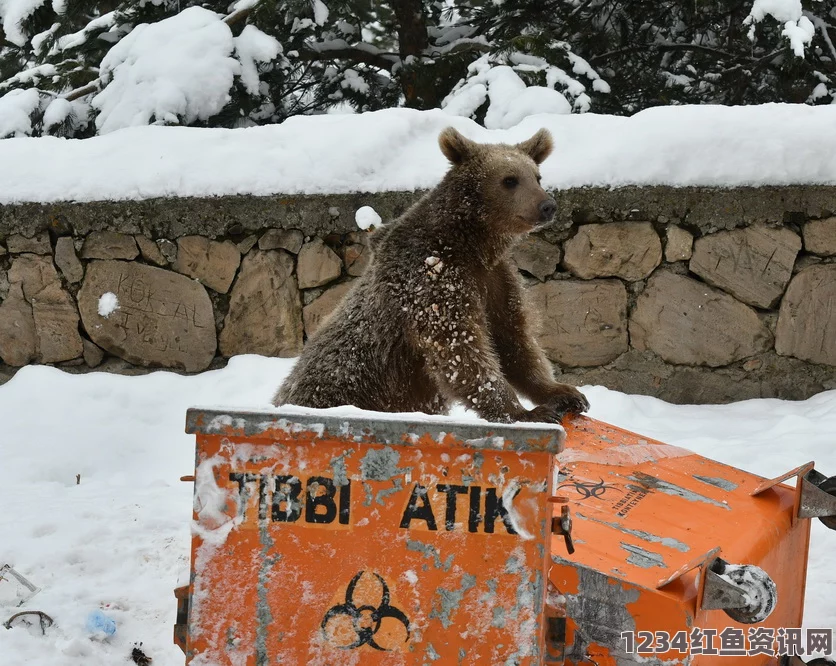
point(493, 60)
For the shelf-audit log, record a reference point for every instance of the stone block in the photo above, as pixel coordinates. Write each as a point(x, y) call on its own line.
point(317, 265)
point(37, 244)
point(318, 311)
point(753, 264)
point(265, 313)
point(282, 239)
point(629, 250)
point(820, 236)
point(807, 317)
point(109, 245)
point(17, 329)
point(93, 354)
point(162, 319)
point(54, 313)
point(536, 257)
point(150, 251)
point(67, 260)
point(679, 244)
point(583, 323)
point(687, 322)
point(214, 264)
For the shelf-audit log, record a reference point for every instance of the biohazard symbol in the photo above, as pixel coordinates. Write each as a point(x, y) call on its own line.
point(587, 490)
point(366, 617)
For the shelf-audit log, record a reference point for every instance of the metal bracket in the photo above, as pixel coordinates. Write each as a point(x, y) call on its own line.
point(744, 592)
point(719, 594)
point(563, 524)
point(815, 494)
point(701, 562)
point(818, 498)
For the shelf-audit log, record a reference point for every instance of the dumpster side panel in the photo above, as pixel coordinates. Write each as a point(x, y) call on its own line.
point(312, 551)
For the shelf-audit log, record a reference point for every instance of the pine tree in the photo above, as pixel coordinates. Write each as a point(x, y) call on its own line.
point(66, 65)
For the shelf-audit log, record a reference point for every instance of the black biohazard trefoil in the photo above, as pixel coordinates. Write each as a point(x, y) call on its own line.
point(366, 619)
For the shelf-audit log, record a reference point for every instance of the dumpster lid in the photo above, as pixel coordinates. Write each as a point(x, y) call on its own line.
point(377, 427)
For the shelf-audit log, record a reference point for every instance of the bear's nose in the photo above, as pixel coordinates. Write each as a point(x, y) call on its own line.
point(547, 210)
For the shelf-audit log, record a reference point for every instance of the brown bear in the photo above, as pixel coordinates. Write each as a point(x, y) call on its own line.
point(438, 316)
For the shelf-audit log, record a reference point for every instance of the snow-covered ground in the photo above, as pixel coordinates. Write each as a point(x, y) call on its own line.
point(119, 539)
point(396, 149)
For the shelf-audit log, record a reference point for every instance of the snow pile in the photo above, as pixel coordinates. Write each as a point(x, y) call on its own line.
point(119, 538)
point(397, 149)
point(180, 67)
point(253, 46)
point(16, 109)
point(367, 217)
point(13, 13)
point(510, 100)
point(797, 27)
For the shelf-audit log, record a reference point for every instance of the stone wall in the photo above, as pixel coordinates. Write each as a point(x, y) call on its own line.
point(692, 295)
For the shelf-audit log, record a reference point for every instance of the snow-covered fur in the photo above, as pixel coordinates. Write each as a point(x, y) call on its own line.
point(439, 316)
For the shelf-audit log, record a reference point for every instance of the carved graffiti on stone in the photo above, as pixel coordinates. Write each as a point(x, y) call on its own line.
point(162, 319)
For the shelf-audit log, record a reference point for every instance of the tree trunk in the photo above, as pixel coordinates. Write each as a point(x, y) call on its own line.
point(417, 80)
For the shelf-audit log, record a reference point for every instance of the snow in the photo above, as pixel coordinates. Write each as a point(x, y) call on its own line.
point(397, 149)
point(253, 46)
point(57, 112)
point(16, 109)
point(108, 304)
point(12, 13)
point(509, 99)
point(797, 27)
point(178, 68)
point(320, 12)
point(74, 39)
point(118, 540)
point(366, 217)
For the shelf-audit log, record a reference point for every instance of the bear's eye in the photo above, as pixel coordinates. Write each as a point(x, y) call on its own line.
point(510, 182)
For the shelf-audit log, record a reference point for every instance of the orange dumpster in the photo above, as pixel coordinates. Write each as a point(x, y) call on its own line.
point(329, 540)
point(678, 559)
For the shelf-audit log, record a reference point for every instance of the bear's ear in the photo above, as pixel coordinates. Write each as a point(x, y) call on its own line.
point(455, 147)
point(538, 147)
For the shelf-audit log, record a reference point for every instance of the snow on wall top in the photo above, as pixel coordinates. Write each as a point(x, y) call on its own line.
point(396, 149)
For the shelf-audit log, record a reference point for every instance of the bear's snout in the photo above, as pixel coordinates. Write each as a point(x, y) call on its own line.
point(547, 209)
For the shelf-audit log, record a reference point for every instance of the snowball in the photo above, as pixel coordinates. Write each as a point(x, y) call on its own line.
point(16, 109)
point(366, 217)
point(177, 68)
point(253, 46)
point(108, 304)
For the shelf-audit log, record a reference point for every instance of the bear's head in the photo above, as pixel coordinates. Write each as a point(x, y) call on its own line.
point(505, 179)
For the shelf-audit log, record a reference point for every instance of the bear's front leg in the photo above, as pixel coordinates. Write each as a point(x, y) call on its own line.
point(522, 360)
point(452, 335)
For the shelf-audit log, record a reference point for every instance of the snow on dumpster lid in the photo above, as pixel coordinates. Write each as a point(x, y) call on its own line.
point(378, 427)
